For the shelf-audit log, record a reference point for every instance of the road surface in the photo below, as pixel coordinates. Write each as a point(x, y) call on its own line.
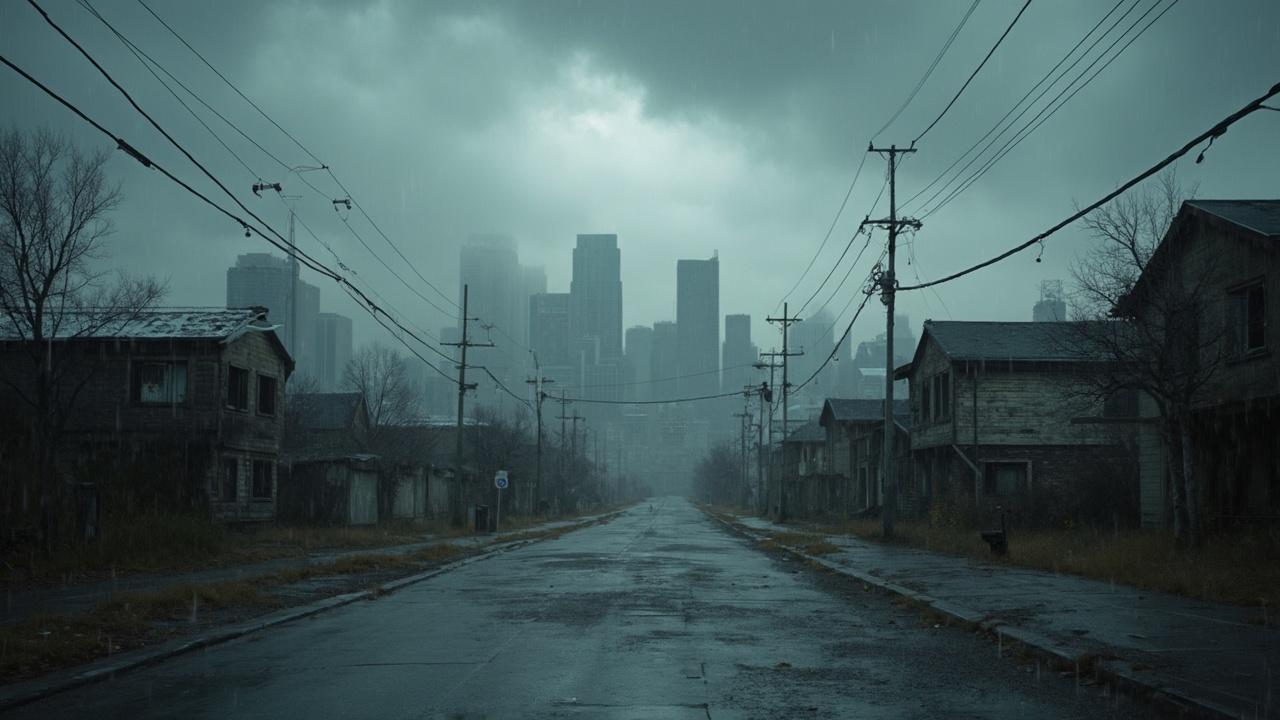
point(658, 614)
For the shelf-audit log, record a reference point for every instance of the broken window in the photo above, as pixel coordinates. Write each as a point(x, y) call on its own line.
point(237, 388)
point(230, 486)
point(266, 395)
point(159, 382)
point(263, 472)
point(1004, 478)
point(1246, 319)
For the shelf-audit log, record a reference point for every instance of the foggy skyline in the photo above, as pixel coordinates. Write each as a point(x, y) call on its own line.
point(548, 120)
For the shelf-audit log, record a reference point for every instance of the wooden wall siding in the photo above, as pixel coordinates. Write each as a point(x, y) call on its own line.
point(1235, 257)
point(937, 432)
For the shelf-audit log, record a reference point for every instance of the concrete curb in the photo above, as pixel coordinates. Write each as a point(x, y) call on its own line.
point(26, 692)
point(1160, 691)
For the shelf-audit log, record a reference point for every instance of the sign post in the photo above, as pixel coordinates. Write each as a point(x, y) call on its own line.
point(499, 481)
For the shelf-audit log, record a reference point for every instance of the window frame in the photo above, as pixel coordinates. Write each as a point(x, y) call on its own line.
point(275, 387)
point(135, 382)
point(230, 402)
point(270, 474)
point(229, 463)
point(1240, 321)
point(988, 465)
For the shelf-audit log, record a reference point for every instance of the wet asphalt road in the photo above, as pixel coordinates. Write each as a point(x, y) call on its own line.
point(658, 614)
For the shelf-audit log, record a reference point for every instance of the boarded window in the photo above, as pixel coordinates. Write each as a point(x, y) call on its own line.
point(266, 395)
point(263, 472)
point(926, 408)
point(944, 395)
point(237, 388)
point(230, 486)
point(159, 382)
point(1005, 478)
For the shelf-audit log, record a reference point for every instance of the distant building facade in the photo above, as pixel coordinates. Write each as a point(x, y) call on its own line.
point(333, 349)
point(265, 280)
point(698, 326)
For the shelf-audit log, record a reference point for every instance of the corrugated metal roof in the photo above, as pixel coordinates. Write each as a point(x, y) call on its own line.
point(1259, 216)
point(153, 324)
point(1024, 341)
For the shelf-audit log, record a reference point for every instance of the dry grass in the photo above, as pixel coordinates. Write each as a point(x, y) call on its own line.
point(811, 543)
point(1239, 568)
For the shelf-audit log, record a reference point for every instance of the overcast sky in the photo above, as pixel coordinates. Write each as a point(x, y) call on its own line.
point(685, 128)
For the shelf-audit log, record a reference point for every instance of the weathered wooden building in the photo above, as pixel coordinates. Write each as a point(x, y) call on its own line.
point(1229, 250)
point(854, 432)
point(996, 410)
point(190, 398)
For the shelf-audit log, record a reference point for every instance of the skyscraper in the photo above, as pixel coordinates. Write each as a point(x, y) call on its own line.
point(262, 279)
point(490, 269)
point(1052, 306)
point(639, 358)
point(738, 354)
point(698, 325)
point(595, 292)
point(664, 362)
point(533, 281)
point(549, 328)
point(333, 349)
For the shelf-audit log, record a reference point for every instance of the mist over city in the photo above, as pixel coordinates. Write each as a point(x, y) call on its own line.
point(639, 359)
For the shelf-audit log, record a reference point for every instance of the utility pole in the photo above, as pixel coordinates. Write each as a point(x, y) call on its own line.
point(573, 442)
point(767, 394)
point(786, 320)
point(742, 446)
point(458, 514)
point(888, 289)
point(537, 383)
point(760, 392)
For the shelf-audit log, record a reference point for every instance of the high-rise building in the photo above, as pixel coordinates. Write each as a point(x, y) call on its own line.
point(333, 349)
point(814, 338)
point(1052, 305)
point(639, 359)
point(698, 325)
point(549, 328)
point(490, 269)
point(738, 354)
point(595, 305)
point(262, 279)
point(533, 280)
point(664, 361)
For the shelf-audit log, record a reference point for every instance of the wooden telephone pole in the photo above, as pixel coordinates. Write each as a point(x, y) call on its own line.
point(459, 513)
point(888, 288)
point(786, 321)
point(539, 396)
point(766, 394)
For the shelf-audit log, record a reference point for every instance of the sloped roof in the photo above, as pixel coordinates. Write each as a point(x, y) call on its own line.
point(1022, 341)
point(1259, 216)
point(807, 433)
point(151, 324)
point(859, 410)
point(327, 411)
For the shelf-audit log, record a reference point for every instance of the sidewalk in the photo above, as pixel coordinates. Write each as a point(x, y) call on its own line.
point(20, 604)
point(1212, 659)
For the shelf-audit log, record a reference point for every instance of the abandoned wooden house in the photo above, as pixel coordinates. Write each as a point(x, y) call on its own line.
point(177, 408)
point(1229, 250)
point(995, 410)
point(854, 432)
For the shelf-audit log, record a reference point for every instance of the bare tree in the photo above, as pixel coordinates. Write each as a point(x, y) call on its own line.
point(1159, 337)
point(381, 374)
point(55, 204)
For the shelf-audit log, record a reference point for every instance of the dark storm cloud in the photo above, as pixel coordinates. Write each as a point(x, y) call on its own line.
point(685, 127)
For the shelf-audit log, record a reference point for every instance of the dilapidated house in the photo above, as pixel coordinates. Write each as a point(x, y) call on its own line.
point(996, 418)
point(1230, 251)
point(855, 443)
point(181, 406)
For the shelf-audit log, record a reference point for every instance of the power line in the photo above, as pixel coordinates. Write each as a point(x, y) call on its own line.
point(1052, 109)
point(133, 152)
point(928, 72)
point(1018, 104)
point(1211, 134)
point(313, 156)
point(650, 402)
point(974, 73)
point(862, 225)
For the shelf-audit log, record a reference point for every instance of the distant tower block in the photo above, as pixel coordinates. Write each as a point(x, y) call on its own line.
point(1052, 306)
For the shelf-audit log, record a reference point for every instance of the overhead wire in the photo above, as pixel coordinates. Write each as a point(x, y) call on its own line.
point(973, 74)
point(1212, 133)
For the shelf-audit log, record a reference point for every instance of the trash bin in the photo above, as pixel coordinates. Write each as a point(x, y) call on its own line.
point(482, 518)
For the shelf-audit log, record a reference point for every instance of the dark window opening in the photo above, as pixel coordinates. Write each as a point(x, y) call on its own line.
point(944, 395)
point(237, 388)
point(159, 383)
point(263, 470)
point(230, 486)
point(1004, 478)
point(266, 395)
point(1121, 404)
point(1247, 319)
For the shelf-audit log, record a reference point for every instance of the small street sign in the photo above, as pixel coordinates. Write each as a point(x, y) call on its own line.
point(500, 480)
